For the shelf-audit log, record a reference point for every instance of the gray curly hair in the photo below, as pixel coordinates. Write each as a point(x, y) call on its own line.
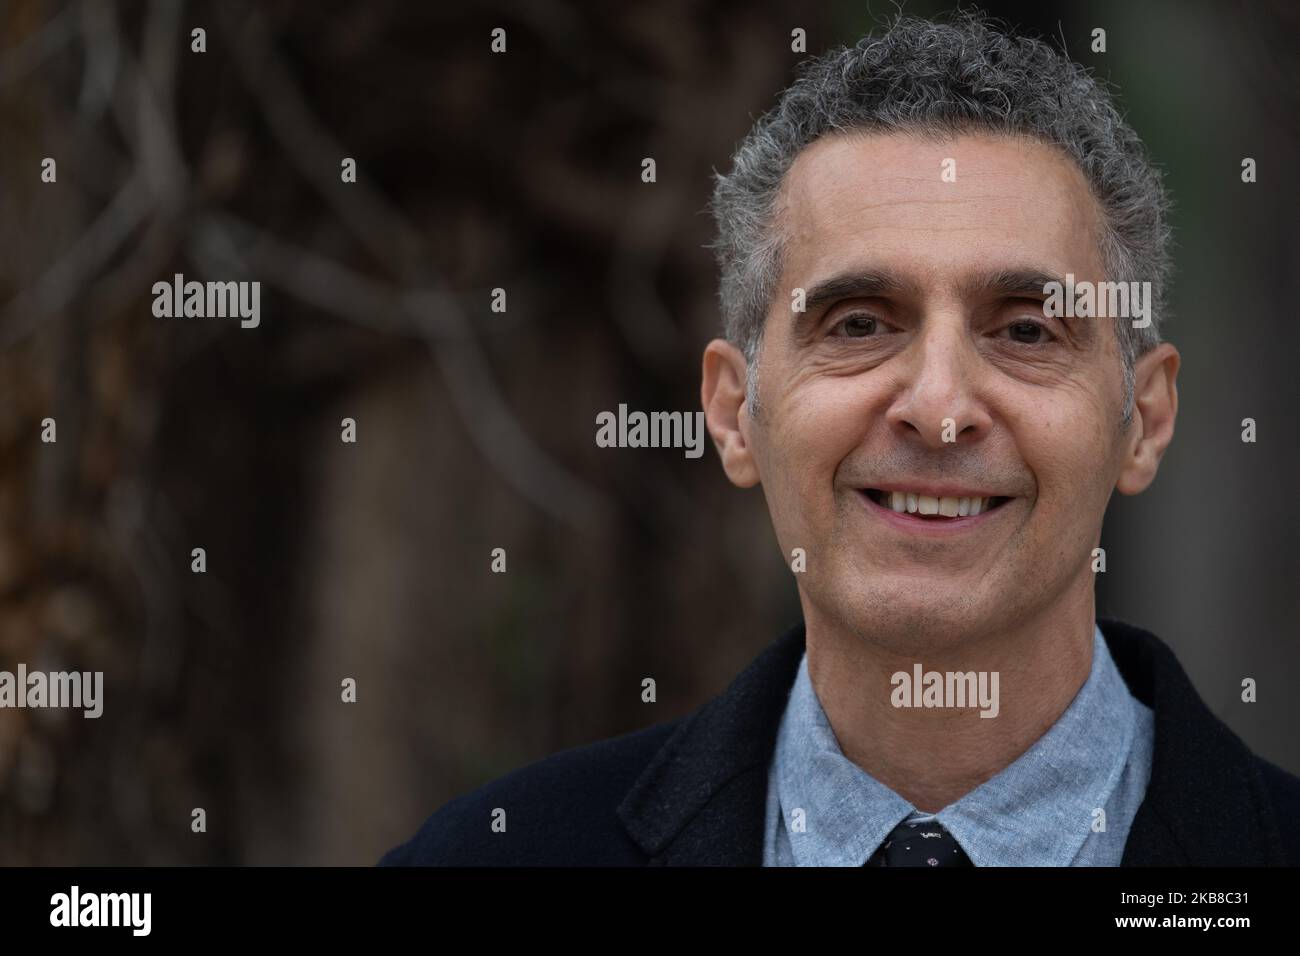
point(942, 78)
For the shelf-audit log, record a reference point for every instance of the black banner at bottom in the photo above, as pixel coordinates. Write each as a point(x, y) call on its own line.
point(366, 905)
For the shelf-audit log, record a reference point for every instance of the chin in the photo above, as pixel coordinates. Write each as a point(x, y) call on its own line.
point(916, 617)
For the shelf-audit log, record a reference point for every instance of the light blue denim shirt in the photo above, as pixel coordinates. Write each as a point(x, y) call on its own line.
point(1038, 811)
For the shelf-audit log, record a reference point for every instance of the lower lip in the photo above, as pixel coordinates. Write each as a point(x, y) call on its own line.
point(931, 527)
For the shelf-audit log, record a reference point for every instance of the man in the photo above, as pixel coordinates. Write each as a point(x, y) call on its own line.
point(937, 414)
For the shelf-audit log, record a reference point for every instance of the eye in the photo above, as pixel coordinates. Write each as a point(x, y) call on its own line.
point(1028, 332)
point(856, 326)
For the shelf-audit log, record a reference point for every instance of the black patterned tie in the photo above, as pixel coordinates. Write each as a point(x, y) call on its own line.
point(919, 843)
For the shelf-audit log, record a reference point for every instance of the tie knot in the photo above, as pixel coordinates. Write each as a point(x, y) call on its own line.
point(919, 843)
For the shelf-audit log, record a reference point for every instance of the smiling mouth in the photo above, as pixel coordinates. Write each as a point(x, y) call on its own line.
point(928, 506)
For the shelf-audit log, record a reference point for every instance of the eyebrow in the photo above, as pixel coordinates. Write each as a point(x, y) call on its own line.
point(1023, 283)
point(854, 285)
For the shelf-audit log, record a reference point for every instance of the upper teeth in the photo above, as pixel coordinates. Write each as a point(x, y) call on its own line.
point(948, 506)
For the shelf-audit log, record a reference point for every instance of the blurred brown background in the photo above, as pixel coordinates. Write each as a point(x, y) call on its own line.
point(476, 429)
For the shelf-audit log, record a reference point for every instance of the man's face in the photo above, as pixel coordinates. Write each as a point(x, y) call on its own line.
point(933, 370)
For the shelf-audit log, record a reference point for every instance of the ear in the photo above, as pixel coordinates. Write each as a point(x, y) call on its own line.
point(1155, 406)
point(722, 392)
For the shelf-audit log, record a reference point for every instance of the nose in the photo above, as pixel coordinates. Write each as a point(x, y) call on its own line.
point(939, 402)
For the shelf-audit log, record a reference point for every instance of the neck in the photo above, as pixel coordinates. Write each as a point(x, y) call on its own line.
point(932, 756)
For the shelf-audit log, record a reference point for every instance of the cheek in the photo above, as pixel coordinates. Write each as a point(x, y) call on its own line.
point(1068, 446)
point(801, 451)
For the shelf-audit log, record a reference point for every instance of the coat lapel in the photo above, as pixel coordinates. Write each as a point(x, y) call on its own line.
point(702, 800)
point(1205, 804)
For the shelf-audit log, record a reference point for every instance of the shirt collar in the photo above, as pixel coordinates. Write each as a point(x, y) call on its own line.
point(1037, 811)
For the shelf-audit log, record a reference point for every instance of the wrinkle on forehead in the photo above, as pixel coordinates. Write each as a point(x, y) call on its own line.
point(852, 186)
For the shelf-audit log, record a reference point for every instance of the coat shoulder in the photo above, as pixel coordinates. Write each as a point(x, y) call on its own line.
point(1284, 792)
point(557, 811)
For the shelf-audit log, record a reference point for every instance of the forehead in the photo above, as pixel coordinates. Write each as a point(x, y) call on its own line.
point(882, 199)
